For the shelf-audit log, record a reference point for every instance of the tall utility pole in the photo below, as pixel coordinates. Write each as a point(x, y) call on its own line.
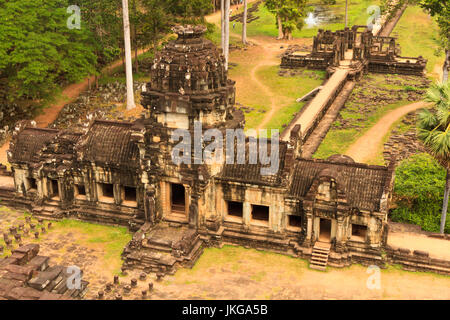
point(244, 24)
point(222, 25)
point(346, 13)
point(227, 32)
point(128, 65)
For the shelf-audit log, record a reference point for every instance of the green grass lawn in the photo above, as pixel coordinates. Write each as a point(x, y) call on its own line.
point(285, 90)
point(338, 139)
point(416, 32)
point(265, 25)
point(291, 87)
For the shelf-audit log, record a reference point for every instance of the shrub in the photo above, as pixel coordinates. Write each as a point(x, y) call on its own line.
point(418, 192)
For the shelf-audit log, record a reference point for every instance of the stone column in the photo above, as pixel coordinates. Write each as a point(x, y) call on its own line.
point(117, 193)
point(309, 226)
point(193, 211)
point(246, 214)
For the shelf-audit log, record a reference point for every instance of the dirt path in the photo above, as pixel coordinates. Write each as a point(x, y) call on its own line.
point(71, 93)
point(68, 95)
point(269, 56)
point(367, 146)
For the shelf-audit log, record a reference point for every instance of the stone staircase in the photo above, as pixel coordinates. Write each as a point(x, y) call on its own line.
point(319, 257)
point(50, 210)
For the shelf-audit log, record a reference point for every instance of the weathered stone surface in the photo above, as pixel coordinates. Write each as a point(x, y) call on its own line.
point(28, 277)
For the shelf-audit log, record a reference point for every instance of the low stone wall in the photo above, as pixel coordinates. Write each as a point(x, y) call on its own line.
point(292, 61)
point(417, 260)
point(416, 68)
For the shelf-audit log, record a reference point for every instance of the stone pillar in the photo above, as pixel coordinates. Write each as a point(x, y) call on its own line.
point(246, 214)
point(150, 204)
point(193, 211)
point(117, 193)
point(340, 241)
point(309, 226)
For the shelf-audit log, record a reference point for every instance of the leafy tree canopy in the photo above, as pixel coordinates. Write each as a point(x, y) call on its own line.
point(290, 15)
point(38, 50)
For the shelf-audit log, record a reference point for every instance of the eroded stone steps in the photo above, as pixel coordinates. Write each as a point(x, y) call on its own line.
point(319, 257)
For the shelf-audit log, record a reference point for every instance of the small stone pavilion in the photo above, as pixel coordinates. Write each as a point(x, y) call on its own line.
point(331, 211)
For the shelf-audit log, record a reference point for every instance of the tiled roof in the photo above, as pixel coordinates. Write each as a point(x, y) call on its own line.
point(109, 142)
point(363, 184)
point(251, 173)
point(29, 142)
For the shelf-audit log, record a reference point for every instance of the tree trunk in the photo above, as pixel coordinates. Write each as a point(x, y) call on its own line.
point(446, 66)
point(244, 24)
point(136, 62)
point(222, 22)
point(227, 32)
point(346, 13)
point(128, 65)
point(445, 204)
point(280, 28)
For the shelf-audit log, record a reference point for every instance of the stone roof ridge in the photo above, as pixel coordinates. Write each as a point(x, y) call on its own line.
point(355, 164)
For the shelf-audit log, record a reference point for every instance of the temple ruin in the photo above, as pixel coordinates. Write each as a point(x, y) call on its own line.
point(360, 48)
point(331, 211)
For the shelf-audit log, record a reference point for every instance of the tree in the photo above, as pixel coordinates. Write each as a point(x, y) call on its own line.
point(227, 31)
point(290, 14)
point(441, 11)
point(129, 66)
point(155, 22)
point(38, 52)
point(346, 13)
point(102, 18)
point(435, 134)
point(244, 24)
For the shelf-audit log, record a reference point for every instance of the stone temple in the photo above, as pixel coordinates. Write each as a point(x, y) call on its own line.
point(331, 211)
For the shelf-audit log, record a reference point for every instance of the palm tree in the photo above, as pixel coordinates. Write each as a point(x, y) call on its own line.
point(434, 132)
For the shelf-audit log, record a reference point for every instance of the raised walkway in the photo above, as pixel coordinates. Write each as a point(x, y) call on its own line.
point(314, 111)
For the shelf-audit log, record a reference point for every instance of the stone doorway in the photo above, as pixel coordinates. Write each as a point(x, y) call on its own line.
point(54, 192)
point(325, 230)
point(177, 199)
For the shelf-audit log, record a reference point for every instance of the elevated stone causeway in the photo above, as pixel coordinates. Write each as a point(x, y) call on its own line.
point(315, 110)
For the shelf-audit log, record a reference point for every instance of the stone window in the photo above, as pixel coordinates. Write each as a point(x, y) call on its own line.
point(80, 191)
point(177, 198)
point(260, 213)
point(129, 196)
point(106, 192)
point(32, 185)
point(235, 210)
point(294, 222)
point(359, 232)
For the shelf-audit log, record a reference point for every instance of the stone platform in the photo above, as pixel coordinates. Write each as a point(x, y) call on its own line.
point(163, 248)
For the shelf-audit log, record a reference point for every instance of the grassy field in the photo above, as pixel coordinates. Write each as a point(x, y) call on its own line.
point(416, 32)
point(279, 90)
point(265, 25)
point(340, 137)
point(235, 272)
point(109, 241)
